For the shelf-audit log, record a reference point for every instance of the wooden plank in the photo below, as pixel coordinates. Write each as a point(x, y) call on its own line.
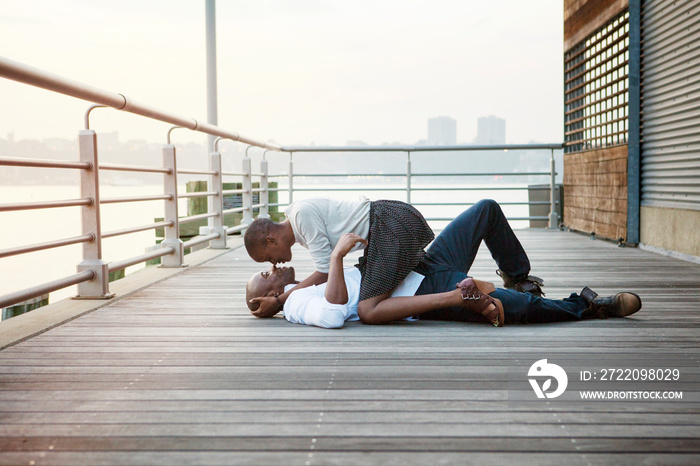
point(181, 373)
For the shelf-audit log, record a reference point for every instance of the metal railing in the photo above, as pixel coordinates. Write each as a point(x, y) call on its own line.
point(92, 277)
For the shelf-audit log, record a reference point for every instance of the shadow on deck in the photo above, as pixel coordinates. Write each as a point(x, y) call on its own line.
point(180, 373)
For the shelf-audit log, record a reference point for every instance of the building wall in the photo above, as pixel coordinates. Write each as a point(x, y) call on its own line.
point(595, 173)
point(595, 187)
point(670, 125)
point(670, 230)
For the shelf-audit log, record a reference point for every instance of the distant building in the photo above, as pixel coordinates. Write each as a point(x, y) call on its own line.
point(491, 130)
point(442, 131)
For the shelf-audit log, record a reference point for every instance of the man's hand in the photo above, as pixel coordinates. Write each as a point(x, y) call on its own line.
point(269, 306)
point(346, 243)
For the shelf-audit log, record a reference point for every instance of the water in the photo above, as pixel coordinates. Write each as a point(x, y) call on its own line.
point(37, 226)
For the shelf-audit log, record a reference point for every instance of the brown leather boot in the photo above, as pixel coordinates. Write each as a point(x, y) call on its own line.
point(529, 284)
point(621, 305)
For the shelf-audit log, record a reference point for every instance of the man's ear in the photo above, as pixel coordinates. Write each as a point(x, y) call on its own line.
point(271, 239)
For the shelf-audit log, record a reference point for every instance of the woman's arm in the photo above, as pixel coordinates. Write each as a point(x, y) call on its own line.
point(336, 289)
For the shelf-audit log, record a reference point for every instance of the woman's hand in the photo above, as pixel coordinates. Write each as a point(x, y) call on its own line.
point(269, 306)
point(346, 243)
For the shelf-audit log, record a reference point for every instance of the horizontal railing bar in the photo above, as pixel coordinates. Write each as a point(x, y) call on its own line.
point(355, 175)
point(16, 71)
point(127, 231)
point(236, 229)
point(155, 197)
point(233, 174)
point(194, 218)
point(16, 162)
point(379, 175)
point(197, 172)
point(479, 174)
point(277, 189)
point(227, 192)
point(200, 239)
point(234, 210)
point(285, 175)
point(257, 174)
point(257, 206)
point(45, 204)
point(449, 219)
point(278, 204)
point(471, 203)
point(349, 189)
point(198, 194)
point(134, 168)
point(476, 189)
point(257, 190)
point(121, 265)
point(47, 245)
point(39, 290)
point(419, 148)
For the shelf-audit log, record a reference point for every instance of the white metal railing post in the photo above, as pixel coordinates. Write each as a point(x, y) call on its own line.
point(264, 190)
point(553, 217)
point(217, 203)
point(408, 177)
point(291, 178)
point(247, 193)
point(98, 288)
point(172, 233)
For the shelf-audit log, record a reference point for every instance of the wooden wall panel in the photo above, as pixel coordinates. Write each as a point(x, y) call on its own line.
point(582, 17)
point(595, 183)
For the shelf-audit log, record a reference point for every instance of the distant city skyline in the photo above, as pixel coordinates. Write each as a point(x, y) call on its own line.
point(300, 72)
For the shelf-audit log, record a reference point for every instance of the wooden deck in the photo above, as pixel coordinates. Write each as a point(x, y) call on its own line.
point(180, 373)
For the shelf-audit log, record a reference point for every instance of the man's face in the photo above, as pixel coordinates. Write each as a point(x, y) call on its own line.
point(273, 280)
point(274, 252)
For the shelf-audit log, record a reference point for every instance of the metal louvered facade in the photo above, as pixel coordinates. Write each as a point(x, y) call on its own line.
point(670, 103)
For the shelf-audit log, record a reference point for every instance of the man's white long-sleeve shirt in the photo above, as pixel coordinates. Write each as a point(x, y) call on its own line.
point(319, 223)
point(309, 305)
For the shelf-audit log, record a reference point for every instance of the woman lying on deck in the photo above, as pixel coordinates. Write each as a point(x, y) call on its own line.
point(439, 289)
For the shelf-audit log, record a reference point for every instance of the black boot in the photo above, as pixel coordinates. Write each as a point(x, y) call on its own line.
point(620, 305)
point(529, 284)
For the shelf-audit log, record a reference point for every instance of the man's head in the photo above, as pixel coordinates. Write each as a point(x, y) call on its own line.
point(269, 283)
point(268, 241)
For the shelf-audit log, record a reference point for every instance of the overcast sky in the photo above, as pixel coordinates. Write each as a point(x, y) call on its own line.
point(293, 71)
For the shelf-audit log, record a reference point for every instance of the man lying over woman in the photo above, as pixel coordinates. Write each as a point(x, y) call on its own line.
point(438, 288)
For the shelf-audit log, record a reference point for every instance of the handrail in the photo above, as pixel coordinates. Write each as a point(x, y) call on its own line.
point(45, 204)
point(133, 168)
point(36, 163)
point(20, 72)
point(119, 200)
point(127, 231)
point(197, 194)
point(455, 147)
point(28, 293)
point(47, 245)
point(120, 265)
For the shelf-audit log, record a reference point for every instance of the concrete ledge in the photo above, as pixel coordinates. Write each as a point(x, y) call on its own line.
point(38, 321)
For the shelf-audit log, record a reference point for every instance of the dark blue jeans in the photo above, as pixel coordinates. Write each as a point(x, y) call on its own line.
point(450, 256)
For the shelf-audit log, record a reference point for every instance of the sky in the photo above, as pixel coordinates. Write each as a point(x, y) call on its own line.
point(321, 72)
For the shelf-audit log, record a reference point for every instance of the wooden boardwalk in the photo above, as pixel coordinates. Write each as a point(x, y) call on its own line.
point(180, 373)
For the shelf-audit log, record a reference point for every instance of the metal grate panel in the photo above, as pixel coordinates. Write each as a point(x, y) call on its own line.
point(595, 88)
